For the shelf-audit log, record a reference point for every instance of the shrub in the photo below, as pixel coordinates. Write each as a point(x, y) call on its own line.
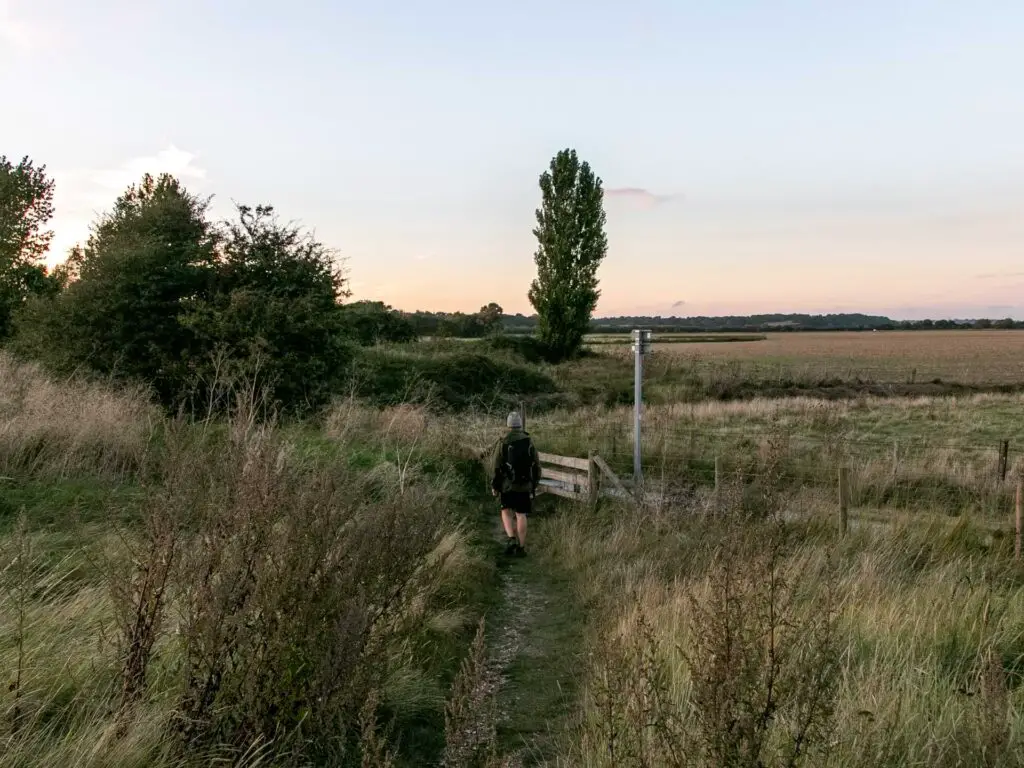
point(373, 322)
point(122, 314)
point(530, 349)
point(454, 381)
point(304, 588)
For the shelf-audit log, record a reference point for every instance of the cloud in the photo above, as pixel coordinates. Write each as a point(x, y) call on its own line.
point(678, 304)
point(998, 275)
point(19, 34)
point(636, 196)
point(81, 194)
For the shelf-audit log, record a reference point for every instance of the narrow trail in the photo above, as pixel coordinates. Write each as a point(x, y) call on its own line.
point(532, 647)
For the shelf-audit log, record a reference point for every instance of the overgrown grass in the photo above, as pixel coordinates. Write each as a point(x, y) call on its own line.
point(736, 641)
point(931, 454)
point(174, 593)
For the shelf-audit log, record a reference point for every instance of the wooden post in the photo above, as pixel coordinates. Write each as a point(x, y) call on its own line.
point(1016, 520)
point(1004, 453)
point(844, 499)
point(593, 479)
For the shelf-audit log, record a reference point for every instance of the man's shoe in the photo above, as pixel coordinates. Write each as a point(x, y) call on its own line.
point(520, 551)
point(511, 546)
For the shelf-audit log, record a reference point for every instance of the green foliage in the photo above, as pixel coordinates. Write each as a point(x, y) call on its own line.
point(571, 245)
point(530, 349)
point(455, 380)
point(162, 295)
point(271, 317)
point(459, 325)
point(374, 322)
point(128, 289)
point(26, 207)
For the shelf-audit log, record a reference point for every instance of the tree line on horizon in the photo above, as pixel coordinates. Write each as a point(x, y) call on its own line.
point(761, 323)
point(469, 326)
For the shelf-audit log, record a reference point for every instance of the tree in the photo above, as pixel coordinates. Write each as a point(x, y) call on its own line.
point(374, 322)
point(128, 288)
point(490, 318)
point(273, 316)
point(571, 246)
point(26, 207)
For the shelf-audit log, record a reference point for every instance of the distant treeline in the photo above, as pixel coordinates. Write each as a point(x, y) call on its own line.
point(764, 323)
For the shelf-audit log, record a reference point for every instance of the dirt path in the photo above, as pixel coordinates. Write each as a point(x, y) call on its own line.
point(533, 642)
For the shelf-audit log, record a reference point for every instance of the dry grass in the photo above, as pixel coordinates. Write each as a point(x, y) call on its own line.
point(274, 596)
point(983, 356)
point(59, 429)
point(922, 664)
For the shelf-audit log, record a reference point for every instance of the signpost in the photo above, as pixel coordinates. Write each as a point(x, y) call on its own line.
point(641, 347)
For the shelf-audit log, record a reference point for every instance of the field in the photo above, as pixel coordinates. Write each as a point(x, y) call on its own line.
point(178, 593)
point(969, 357)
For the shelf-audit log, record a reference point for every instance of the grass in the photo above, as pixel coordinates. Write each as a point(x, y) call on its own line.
point(110, 515)
point(920, 617)
point(969, 357)
point(676, 338)
point(897, 644)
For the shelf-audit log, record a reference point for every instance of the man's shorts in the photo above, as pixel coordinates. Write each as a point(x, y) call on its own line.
point(520, 502)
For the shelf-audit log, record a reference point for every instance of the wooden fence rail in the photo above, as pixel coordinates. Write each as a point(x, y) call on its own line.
point(574, 478)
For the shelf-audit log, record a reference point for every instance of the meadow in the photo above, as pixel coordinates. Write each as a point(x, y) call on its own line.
point(309, 592)
point(963, 356)
point(740, 626)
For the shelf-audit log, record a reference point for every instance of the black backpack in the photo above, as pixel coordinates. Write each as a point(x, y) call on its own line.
point(519, 462)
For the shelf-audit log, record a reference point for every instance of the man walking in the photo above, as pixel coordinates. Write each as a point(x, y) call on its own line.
point(515, 476)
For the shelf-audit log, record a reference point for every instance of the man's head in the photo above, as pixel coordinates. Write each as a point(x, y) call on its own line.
point(514, 421)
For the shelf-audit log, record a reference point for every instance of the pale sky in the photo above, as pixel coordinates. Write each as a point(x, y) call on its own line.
point(793, 155)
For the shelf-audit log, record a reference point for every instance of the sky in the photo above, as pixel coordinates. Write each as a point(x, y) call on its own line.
point(786, 156)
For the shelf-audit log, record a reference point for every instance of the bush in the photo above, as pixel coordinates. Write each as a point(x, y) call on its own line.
point(374, 322)
point(297, 590)
point(454, 381)
point(161, 295)
point(528, 348)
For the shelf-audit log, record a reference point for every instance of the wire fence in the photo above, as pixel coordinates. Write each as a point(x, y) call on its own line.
point(951, 478)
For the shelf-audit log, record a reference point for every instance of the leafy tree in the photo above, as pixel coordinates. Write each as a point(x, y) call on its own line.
point(374, 322)
point(272, 316)
point(490, 318)
point(128, 288)
point(571, 246)
point(26, 207)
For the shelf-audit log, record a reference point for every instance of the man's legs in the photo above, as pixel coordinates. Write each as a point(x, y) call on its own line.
point(521, 528)
point(508, 521)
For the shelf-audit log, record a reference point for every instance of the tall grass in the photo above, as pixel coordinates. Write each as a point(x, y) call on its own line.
point(275, 597)
point(58, 429)
point(734, 640)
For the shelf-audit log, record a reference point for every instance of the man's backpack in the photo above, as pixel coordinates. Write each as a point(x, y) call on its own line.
point(519, 462)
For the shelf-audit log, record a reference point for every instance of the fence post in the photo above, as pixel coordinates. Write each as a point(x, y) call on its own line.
point(1016, 520)
point(593, 480)
point(1004, 453)
point(844, 499)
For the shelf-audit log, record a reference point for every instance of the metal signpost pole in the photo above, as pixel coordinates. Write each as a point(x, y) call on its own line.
point(641, 346)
